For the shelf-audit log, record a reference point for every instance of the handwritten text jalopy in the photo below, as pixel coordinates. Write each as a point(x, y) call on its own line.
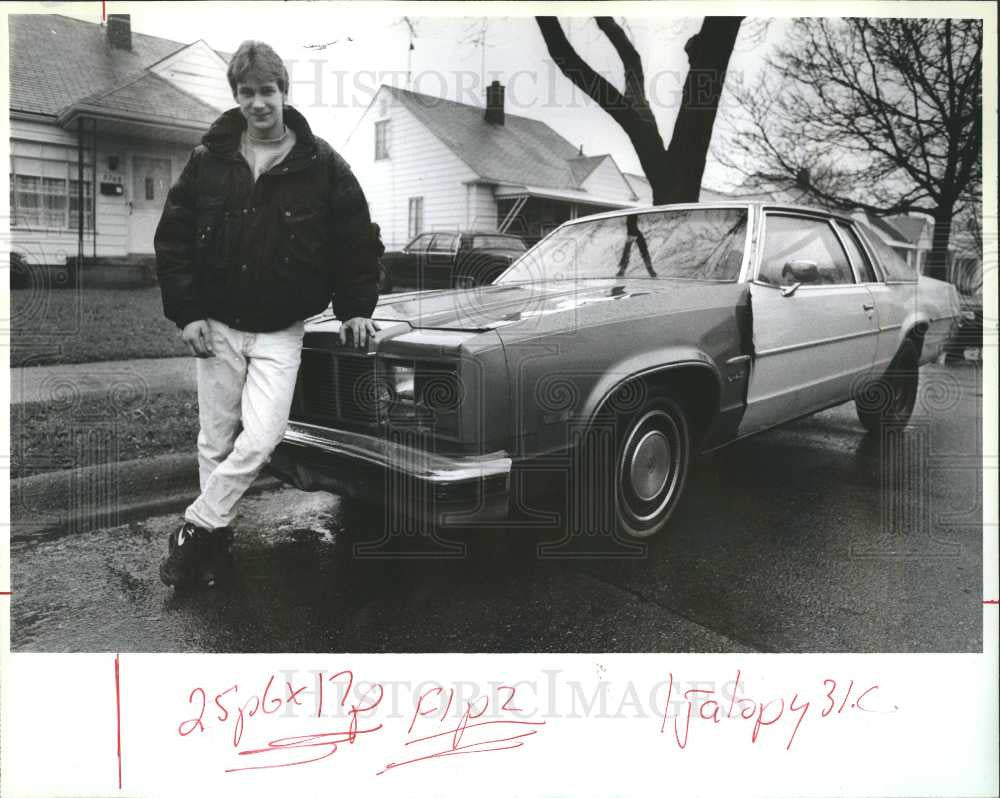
point(354, 708)
point(707, 705)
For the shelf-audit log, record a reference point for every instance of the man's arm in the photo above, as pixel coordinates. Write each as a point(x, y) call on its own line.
point(174, 245)
point(354, 245)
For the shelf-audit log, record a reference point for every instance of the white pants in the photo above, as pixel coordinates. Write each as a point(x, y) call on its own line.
point(244, 397)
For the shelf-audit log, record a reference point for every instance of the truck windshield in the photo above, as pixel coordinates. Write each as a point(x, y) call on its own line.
point(694, 244)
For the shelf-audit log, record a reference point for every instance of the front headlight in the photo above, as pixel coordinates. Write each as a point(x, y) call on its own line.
point(402, 381)
point(425, 393)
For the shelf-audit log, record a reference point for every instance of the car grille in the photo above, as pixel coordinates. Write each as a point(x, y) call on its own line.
point(334, 387)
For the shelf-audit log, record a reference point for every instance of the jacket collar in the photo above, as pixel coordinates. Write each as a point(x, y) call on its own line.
point(223, 137)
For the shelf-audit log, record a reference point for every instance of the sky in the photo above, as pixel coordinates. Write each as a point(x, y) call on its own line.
point(339, 54)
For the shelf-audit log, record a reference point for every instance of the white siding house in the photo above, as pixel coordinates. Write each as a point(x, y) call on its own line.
point(121, 108)
point(428, 163)
point(414, 165)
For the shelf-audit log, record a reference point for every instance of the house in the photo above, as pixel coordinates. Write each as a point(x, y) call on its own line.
point(427, 163)
point(102, 120)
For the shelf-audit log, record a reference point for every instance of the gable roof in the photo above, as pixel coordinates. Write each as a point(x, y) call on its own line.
point(86, 63)
point(582, 166)
point(521, 151)
point(149, 95)
point(910, 228)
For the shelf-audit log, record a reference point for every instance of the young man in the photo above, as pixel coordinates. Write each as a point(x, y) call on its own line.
point(265, 224)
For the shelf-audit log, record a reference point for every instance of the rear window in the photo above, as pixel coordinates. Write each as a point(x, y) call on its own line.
point(896, 269)
point(497, 242)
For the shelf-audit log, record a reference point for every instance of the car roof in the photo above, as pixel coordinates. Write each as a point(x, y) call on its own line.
point(771, 206)
point(455, 231)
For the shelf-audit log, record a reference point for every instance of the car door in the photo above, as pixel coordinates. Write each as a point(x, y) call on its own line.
point(814, 325)
point(441, 260)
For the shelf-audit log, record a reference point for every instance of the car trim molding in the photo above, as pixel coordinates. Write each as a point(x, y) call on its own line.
point(417, 463)
point(818, 342)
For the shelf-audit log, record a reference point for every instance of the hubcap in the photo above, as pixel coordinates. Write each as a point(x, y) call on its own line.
point(650, 465)
point(649, 468)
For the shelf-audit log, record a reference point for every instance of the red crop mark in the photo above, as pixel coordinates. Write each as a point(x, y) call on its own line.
point(118, 711)
point(104, 17)
point(991, 601)
point(5, 593)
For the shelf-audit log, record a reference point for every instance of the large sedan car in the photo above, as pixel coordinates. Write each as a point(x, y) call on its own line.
point(450, 259)
point(612, 352)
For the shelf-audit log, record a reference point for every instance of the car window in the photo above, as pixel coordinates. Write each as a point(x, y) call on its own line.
point(856, 251)
point(444, 242)
point(791, 239)
point(894, 266)
point(498, 242)
point(698, 244)
point(420, 243)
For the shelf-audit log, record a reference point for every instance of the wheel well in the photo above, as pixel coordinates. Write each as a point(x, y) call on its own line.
point(915, 335)
point(694, 387)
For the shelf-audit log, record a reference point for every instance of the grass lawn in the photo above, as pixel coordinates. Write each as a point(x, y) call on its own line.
point(53, 436)
point(69, 326)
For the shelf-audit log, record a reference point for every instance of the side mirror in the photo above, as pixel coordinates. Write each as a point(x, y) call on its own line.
point(800, 271)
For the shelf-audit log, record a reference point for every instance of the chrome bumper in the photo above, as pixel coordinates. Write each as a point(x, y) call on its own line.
point(378, 469)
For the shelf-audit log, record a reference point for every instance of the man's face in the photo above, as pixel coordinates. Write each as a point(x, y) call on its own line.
point(261, 104)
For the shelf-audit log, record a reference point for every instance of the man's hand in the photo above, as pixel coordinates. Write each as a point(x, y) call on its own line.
point(361, 329)
point(197, 337)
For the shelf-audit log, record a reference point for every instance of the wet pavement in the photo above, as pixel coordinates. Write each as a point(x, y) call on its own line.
point(812, 537)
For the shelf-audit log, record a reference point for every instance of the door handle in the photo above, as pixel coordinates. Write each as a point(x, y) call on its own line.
point(869, 306)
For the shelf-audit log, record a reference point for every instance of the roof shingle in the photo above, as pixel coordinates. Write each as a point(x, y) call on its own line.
point(521, 151)
point(55, 60)
point(151, 95)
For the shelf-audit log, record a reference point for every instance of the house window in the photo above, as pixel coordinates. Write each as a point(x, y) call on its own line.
point(44, 194)
point(416, 218)
point(382, 140)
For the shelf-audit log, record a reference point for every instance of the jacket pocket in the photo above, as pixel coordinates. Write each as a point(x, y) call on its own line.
point(304, 228)
point(209, 239)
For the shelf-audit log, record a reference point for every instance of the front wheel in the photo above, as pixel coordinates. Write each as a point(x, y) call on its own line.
point(889, 399)
point(652, 459)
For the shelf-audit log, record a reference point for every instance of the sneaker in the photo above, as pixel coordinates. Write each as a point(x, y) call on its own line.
point(217, 559)
point(187, 550)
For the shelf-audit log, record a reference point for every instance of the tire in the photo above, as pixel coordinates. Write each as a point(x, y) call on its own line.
point(646, 469)
point(889, 399)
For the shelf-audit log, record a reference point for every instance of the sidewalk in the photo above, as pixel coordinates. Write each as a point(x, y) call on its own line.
point(133, 377)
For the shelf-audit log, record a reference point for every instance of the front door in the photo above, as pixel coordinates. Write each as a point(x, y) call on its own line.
point(151, 180)
point(811, 342)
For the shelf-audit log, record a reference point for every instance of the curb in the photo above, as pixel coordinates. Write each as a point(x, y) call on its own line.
point(91, 498)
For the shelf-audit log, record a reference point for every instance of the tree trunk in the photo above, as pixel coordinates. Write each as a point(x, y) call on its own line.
point(937, 263)
point(677, 176)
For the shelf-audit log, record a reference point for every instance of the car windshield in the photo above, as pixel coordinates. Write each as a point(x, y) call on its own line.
point(498, 242)
point(694, 244)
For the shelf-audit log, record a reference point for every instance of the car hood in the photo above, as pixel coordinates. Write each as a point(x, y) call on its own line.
point(523, 304)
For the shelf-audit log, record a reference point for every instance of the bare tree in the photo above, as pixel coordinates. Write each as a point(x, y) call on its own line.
point(674, 172)
point(882, 115)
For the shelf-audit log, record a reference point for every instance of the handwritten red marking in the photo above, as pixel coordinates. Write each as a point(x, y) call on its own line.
point(193, 723)
point(118, 714)
point(470, 748)
point(857, 703)
point(326, 739)
point(805, 708)
point(846, 696)
point(506, 704)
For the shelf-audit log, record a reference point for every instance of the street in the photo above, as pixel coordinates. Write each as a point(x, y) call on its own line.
point(808, 538)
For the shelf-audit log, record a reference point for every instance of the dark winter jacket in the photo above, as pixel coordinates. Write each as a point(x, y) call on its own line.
point(260, 256)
